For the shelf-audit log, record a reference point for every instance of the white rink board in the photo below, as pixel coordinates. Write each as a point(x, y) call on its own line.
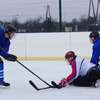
point(51, 44)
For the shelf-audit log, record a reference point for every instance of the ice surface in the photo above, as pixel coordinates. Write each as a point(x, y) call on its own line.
point(20, 89)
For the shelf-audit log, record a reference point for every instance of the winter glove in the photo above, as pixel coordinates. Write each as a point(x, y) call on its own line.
point(11, 57)
point(63, 83)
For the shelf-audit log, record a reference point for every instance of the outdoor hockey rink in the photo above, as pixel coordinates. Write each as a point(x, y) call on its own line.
point(44, 51)
point(20, 89)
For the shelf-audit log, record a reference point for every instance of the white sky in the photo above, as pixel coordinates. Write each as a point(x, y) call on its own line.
point(26, 9)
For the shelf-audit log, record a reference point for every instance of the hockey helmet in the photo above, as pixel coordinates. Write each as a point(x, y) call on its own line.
point(70, 54)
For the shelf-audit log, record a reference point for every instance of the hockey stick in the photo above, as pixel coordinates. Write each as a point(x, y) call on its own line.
point(54, 85)
point(38, 89)
point(33, 73)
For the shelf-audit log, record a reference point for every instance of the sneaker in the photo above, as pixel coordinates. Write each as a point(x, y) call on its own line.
point(4, 84)
point(97, 83)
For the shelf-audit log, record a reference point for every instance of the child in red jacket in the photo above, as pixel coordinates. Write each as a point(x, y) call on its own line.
point(84, 73)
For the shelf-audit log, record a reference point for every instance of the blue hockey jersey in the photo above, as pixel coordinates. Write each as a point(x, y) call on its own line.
point(4, 43)
point(96, 51)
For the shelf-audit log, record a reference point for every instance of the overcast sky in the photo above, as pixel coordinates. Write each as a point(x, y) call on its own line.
point(26, 9)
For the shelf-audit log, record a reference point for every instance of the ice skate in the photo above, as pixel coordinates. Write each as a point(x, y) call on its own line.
point(5, 84)
point(97, 83)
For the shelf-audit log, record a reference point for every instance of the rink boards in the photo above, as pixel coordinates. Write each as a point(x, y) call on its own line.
point(50, 46)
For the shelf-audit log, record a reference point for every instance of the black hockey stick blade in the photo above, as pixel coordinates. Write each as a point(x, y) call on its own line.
point(55, 85)
point(38, 89)
point(32, 84)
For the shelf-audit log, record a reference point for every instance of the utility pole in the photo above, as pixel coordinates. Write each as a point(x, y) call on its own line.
point(48, 14)
point(97, 12)
point(91, 4)
point(47, 24)
point(60, 15)
point(93, 20)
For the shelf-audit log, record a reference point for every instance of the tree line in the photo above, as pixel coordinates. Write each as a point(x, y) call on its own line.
point(50, 25)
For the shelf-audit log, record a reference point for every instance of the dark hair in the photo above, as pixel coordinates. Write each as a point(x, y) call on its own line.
point(94, 34)
point(10, 28)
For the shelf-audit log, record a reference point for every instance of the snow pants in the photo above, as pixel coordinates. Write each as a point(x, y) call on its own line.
point(89, 79)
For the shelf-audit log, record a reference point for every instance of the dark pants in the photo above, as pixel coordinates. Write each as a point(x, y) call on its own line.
point(89, 79)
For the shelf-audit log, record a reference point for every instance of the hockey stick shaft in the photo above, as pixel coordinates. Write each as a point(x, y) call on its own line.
point(33, 73)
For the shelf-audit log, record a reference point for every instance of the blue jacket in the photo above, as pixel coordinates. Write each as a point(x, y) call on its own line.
point(4, 43)
point(96, 51)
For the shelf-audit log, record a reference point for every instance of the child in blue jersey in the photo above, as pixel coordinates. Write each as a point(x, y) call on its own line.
point(95, 39)
point(84, 73)
point(5, 35)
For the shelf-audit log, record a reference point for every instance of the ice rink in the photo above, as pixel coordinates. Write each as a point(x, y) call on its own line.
point(20, 89)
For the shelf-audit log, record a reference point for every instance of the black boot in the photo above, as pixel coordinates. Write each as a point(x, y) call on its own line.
point(4, 84)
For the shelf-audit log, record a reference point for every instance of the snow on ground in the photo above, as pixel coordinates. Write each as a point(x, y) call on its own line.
point(20, 89)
